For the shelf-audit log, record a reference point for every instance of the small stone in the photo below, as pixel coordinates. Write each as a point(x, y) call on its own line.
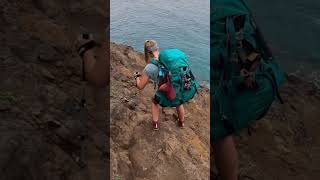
point(36, 112)
point(47, 74)
point(77, 159)
point(53, 124)
point(125, 99)
point(69, 72)
point(59, 63)
point(193, 153)
point(4, 108)
point(132, 105)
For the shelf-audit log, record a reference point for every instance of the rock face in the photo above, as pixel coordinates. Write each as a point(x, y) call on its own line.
point(137, 151)
point(285, 145)
point(40, 89)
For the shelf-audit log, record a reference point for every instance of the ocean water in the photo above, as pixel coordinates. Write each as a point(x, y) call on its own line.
point(183, 24)
point(292, 29)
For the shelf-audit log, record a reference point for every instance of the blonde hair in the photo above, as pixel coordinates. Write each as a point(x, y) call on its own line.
point(148, 44)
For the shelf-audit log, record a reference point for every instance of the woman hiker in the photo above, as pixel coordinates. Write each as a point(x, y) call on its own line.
point(171, 97)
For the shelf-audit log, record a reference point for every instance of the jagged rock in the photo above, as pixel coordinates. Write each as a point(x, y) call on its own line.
point(140, 161)
point(50, 8)
point(47, 53)
point(132, 104)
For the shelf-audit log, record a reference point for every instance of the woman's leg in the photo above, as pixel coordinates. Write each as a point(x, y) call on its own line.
point(180, 111)
point(155, 109)
point(226, 159)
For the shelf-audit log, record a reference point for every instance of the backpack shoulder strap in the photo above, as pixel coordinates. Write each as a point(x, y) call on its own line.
point(230, 47)
point(231, 33)
point(155, 62)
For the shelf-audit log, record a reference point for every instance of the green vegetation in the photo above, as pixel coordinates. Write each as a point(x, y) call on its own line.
point(7, 97)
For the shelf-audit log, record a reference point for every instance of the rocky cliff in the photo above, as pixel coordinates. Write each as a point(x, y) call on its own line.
point(285, 144)
point(41, 89)
point(139, 152)
point(40, 92)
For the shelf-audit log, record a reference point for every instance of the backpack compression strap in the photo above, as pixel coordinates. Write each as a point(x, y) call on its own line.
point(267, 53)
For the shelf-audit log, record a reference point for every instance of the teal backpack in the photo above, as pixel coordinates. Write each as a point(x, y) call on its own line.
point(173, 64)
point(245, 78)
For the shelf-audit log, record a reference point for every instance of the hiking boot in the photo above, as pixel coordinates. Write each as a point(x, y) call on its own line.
point(181, 124)
point(155, 125)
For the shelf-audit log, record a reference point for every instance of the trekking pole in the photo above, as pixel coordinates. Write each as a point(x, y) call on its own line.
point(263, 43)
point(84, 123)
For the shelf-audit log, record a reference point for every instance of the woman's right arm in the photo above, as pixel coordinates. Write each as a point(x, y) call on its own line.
point(150, 72)
point(96, 62)
point(96, 66)
point(142, 81)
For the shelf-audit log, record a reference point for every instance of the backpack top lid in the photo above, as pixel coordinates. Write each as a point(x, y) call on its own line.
point(173, 58)
point(224, 8)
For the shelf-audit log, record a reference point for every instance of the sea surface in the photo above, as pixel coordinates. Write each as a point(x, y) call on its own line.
point(291, 27)
point(183, 24)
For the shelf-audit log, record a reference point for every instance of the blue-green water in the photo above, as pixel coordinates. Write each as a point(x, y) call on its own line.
point(183, 24)
point(292, 28)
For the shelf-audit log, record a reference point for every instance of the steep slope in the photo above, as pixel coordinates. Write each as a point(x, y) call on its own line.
point(138, 152)
point(40, 89)
point(285, 145)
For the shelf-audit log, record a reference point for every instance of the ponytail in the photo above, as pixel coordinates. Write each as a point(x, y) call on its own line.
point(146, 52)
point(149, 46)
